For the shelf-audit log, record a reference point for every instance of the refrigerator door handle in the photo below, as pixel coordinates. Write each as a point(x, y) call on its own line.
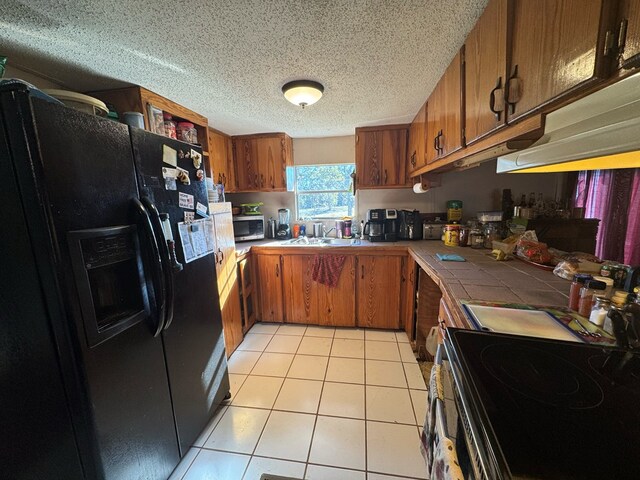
point(156, 265)
point(165, 257)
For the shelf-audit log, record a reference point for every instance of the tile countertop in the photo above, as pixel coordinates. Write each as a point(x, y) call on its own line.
point(480, 277)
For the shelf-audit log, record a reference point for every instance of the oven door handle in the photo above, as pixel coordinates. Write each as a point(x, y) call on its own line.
point(165, 260)
point(157, 277)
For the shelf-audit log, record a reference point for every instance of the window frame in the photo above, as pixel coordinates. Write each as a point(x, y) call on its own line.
point(296, 192)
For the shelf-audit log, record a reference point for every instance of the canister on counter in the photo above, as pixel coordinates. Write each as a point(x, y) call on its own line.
point(454, 210)
point(452, 235)
point(464, 235)
point(476, 238)
point(296, 231)
point(347, 228)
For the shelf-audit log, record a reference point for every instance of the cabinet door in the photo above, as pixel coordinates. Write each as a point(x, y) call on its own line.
point(485, 72)
point(231, 179)
point(417, 138)
point(227, 277)
point(434, 125)
point(554, 48)
point(378, 291)
point(394, 154)
point(270, 288)
point(629, 15)
point(368, 158)
point(451, 108)
point(246, 164)
point(300, 292)
point(221, 158)
point(225, 250)
point(271, 153)
point(309, 302)
point(229, 292)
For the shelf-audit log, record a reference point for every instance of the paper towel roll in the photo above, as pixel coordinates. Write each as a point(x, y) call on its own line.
point(417, 188)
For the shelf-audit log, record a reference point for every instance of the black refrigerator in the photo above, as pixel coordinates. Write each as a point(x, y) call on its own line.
point(111, 346)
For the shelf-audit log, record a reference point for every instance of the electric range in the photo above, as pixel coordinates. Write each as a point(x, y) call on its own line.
point(545, 409)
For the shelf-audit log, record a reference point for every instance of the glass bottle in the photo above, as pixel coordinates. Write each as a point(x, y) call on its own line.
point(591, 288)
point(574, 293)
point(599, 311)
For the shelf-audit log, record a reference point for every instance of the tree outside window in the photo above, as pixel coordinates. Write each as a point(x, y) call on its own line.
point(324, 192)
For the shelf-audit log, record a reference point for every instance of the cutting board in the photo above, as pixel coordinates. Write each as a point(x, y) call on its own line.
point(530, 323)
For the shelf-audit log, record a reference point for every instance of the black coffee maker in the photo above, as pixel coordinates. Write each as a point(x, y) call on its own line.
point(409, 225)
point(382, 225)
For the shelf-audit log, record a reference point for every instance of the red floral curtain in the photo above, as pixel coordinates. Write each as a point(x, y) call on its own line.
point(613, 196)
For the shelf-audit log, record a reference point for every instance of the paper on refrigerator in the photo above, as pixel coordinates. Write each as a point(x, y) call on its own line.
point(197, 238)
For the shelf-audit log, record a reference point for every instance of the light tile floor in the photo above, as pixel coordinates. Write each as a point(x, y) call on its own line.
point(316, 403)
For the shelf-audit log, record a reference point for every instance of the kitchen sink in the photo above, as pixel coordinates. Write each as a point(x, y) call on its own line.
point(321, 242)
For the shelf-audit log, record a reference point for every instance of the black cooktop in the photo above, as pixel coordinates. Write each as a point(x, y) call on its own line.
point(551, 409)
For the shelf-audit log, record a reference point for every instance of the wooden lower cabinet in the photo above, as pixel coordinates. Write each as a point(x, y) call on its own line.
point(309, 302)
point(378, 291)
point(248, 294)
point(269, 268)
point(229, 293)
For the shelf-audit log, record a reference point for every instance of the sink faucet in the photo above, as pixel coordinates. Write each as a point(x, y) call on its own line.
point(325, 232)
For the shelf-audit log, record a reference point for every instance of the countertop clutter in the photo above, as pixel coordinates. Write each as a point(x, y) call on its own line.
point(479, 277)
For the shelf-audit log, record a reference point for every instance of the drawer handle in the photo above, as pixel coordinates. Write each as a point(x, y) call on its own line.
point(497, 92)
point(513, 90)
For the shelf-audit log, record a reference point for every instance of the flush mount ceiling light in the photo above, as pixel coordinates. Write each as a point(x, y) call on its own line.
point(303, 92)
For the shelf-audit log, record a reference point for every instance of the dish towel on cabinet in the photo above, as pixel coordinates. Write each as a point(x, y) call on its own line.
point(326, 269)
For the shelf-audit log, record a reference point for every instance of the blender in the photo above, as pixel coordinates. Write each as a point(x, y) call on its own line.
point(284, 230)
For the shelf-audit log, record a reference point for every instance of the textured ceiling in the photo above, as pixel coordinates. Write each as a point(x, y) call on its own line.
point(378, 60)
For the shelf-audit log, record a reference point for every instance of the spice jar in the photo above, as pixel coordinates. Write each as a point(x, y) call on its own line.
point(490, 234)
point(464, 236)
point(599, 311)
point(186, 132)
point(169, 125)
point(476, 238)
point(591, 288)
point(579, 280)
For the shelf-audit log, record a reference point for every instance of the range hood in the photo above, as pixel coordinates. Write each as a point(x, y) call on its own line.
point(599, 131)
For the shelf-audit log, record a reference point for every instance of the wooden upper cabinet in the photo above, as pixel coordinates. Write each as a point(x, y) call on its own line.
point(261, 161)
point(381, 156)
point(246, 163)
point(378, 291)
point(451, 139)
point(444, 114)
point(556, 46)
point(628, 33)
point(485, 72)
point(270, 288)
point(309, 302)
point(272, 162)
point(221, 160)
point(417, 135)
point(433, 128)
